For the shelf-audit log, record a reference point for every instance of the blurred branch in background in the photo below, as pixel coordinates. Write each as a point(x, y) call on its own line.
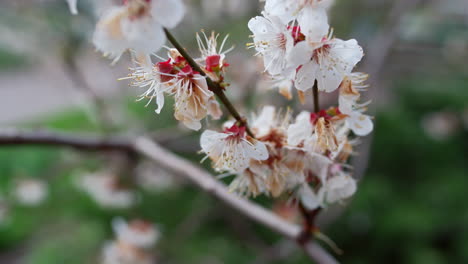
point(172, 162)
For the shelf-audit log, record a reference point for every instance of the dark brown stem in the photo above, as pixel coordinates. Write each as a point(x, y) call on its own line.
point(215, 87)
point(309, 223)
point(80, 142)
point(316, 97)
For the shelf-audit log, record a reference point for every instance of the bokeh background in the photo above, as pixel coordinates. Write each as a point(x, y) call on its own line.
point(411, 206)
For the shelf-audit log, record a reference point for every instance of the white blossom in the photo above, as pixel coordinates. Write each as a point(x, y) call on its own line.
point(136, 25)
point(133, 244)
point(232, 150)
point(136, 233)
point(273, 40)
point(31, 192)
point(175, 77)
point(327, 63)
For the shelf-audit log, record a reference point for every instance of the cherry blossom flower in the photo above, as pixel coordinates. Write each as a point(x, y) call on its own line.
point(273, 40)
point(136, 25)
point(213, 58)
point(175, 77)
point(232, 150)
point(315, 132)
point(284, 168)
point(327, 62)
point(31, 192)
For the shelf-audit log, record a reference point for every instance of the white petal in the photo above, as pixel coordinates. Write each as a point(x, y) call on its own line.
point(360, 124)
point(159, 102)
point(305, 77)
point(265, 121)
point(301, 130)
point(192, 124)
point(108, 36)
point(168, 13)
point(313, 23)
point(308, 197)
point(284, 9)
point(144, 35)
point(211, 142)
point(258, 151)
point(340, 187)
point(299, 54)
point(339, 62)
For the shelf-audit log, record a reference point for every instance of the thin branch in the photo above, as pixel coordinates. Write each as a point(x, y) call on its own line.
point(215, 87)
point(316, 97)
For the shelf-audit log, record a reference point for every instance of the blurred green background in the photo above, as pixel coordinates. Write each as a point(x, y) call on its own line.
point(411, 203)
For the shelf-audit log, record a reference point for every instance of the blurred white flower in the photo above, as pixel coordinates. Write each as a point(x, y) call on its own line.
point(154, 178)
point(136, 233)
point(104, 188)
point(31, 192)
point(289, 10)
point(133, 243)
point(232, 150)
point(440, 125)
point(136, 25)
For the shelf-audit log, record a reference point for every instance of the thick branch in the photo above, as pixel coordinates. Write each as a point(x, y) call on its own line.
point(80, 142)
point(172, 162)
point(208, 183)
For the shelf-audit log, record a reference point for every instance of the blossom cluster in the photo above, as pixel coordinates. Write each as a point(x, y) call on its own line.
point(304, 157)
point(274, 153)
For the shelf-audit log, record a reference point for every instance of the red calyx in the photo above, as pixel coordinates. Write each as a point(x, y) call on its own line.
point(212, 63)
point(238, 131)
point(315, 116)
point(166, 68)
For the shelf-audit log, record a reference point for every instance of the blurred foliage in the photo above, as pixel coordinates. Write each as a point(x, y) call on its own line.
point(9, 60)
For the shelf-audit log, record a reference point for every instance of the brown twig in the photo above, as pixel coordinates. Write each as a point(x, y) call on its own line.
point(316, 97)
point(215, 87)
